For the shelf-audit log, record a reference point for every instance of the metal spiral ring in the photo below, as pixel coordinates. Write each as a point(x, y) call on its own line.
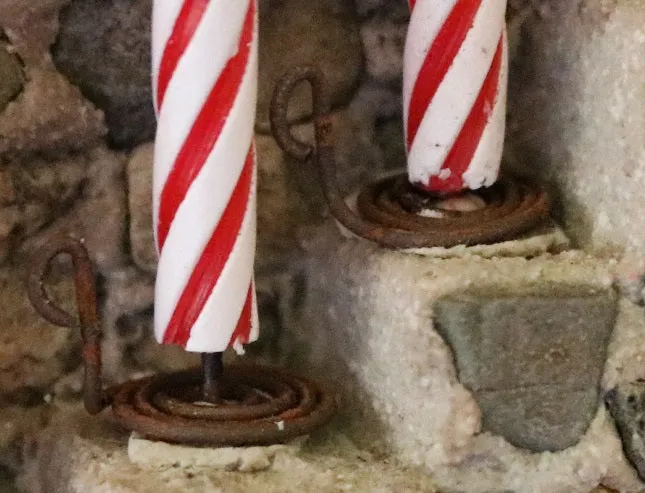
point(512, 208)
point(273, 407)
point(258, 405)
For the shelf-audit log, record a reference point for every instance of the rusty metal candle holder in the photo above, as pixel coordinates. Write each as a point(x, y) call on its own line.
point(392, 212)
point(247, 405)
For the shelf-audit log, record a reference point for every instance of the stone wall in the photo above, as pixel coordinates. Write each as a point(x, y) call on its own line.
point(76, 130)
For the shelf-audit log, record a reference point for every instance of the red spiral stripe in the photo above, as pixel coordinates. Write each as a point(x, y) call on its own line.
point(437, 63)
point(190, 160)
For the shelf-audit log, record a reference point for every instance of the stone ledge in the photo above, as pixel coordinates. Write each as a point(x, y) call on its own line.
point(83, 454)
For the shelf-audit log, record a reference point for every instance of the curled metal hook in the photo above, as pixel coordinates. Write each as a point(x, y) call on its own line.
point(260, 406)
point(321, 110)
point(95, 397)
point(522, 207)
point(323, 152)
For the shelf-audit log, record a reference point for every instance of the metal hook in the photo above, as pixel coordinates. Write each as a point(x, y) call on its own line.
point(323, 154)
point(321, 110)
point(95, 397)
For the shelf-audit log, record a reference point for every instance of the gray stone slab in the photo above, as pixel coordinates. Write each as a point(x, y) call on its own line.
point(539, 418)
point(533, 360)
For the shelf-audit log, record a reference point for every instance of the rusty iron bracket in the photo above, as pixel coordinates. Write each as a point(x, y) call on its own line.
point(512, 206)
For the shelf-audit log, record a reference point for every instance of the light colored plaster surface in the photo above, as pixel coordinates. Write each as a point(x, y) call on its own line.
point(88, 455)
point(577, 115)
point(368, 313)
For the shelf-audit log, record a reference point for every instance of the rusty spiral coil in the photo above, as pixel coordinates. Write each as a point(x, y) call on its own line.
point(384, 212)
point(257, 405)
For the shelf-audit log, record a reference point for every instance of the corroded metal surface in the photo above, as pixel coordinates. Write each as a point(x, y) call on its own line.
point(236, 406)
point(384, 216)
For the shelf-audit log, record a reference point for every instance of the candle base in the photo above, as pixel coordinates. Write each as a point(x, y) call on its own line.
point(243, 406)
point(394, 213)
point(411, 218)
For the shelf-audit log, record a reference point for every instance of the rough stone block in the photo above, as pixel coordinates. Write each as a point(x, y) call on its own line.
point(12, 78)
point(142, 243)
point(518, 341)
point(533, 361)
point(64, 121)
point(552, 417)
point(103, 47)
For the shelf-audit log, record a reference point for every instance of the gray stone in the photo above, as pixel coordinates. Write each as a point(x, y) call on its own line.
point(547, 417)
point(543, 394)
point(142, 241)
point(626, 403)
point(333, 44)
point(104, 48)
point(11, 76)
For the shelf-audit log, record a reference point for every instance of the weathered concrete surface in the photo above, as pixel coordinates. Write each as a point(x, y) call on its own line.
point(577, 110)
point(366, 325)
point(88, 455)
point(160, 455)
point(533, 360)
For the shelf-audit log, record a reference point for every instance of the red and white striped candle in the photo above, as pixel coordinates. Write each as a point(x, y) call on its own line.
point(454, 93)
point(205, 55)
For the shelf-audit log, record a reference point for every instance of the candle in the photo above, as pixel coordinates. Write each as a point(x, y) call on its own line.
point(204, 186)
point(454, 93)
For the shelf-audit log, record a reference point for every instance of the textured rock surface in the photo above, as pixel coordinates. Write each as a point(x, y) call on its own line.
point(383, 38)
point(11, 76)
point(31, 27)
point(545, 394)
point(50, 115)
point(333, 44)
point(35, 192)
point(89, 456)
point(142, 244)
point(33, 354)
point(98, 216)
point(104, 48)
